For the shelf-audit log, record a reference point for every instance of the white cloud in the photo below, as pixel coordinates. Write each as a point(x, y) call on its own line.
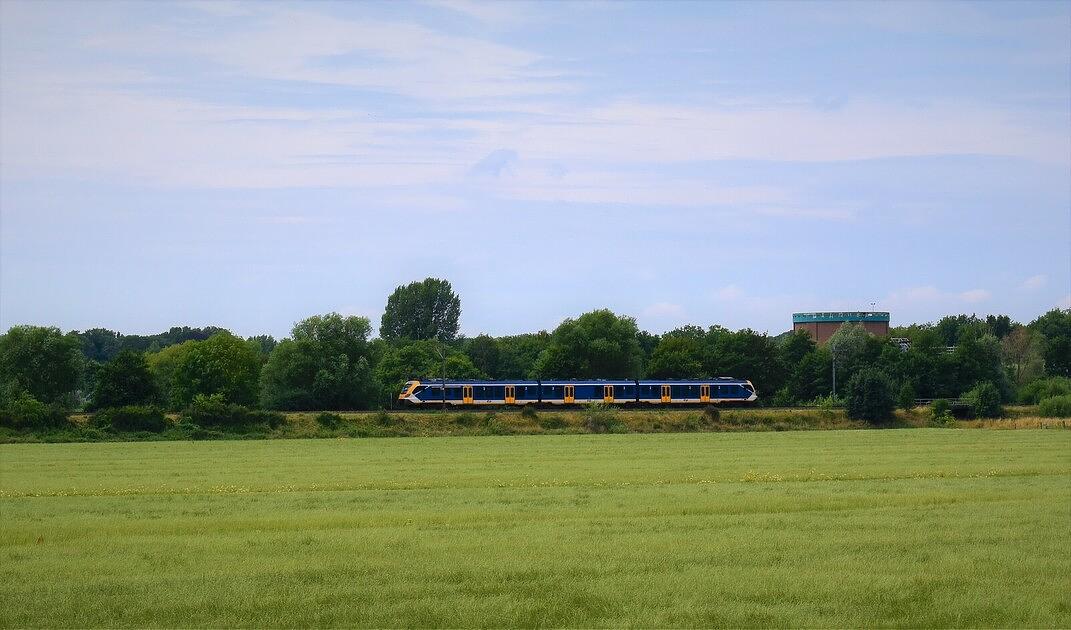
point(1034, 282)
point(975, 295)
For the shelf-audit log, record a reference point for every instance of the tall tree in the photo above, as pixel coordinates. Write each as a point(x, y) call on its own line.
point(125, 380)
point(485, 354)
point(1022, 352)
point(222, 364)
point(598, 344)
point(42, 362)
point(428, 309)
point(325, 364)
point(677, 355)
point(1055, 326)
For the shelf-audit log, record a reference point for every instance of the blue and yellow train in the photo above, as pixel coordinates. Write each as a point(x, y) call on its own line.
point(716, 390)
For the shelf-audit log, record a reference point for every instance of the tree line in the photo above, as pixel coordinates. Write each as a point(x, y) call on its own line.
point(335, 362)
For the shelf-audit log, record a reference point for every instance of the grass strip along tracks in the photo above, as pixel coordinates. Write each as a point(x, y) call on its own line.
point(923, 527)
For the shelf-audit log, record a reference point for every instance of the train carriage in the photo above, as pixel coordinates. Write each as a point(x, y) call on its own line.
point(568, 392)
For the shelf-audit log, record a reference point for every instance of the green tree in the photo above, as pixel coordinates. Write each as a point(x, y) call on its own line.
point(870, 396)
point(485, 355)
point(1024, 360)
point(100, 344)
point(222, 364)
point(812, 376)
point(325, 364)
point(906, 398)
point(676, 357)
point(743, 354)
point(422, 360)
point(125, 380)
point(42, 362)
point(1055, 327)
point(984, 399)
point(518, 354)
point(421, 310)
point(795, 346)
point(598, 344)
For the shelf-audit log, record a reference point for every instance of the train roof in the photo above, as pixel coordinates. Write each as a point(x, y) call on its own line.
point(667, 381)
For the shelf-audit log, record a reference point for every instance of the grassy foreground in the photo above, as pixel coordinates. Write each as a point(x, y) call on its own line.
point(918, 527)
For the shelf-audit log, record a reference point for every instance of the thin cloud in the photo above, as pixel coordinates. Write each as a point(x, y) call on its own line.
point(1034, 282)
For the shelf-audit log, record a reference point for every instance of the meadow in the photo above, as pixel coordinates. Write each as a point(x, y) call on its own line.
point(910, 527)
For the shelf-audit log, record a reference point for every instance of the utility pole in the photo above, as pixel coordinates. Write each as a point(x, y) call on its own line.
point(442, 355)
point(833, 351)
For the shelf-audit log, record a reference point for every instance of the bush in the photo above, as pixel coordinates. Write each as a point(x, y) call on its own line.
point(712, 415)
point(528, 412)
point(330, 420)
point(984, 399)
point(384, 419)
point(599, 418)
point(782, 398)
point(906, 398)
point(466, 419)
point(132, 418)
point(493, 426)
point(1039, 390)
point(1056, 407)
point(552, 422)
point(23, 411)
point(213, 412)
point(870, 396)
point(941, 413)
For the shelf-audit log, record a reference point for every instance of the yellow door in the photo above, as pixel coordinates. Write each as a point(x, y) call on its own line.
point(666, 393)
point(704, 393)
point(511, 394)
point(569, 393)
point(608, 393)
point(466, 394)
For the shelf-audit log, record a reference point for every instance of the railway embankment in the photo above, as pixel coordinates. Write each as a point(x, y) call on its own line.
point(596, 419)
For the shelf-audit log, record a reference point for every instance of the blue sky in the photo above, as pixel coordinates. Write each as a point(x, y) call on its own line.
point(247, 165)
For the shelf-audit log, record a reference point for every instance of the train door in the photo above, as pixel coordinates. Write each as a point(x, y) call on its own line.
point(466, 394)
point(704, 393)
point(608, 393)
point(570, 394)
point(666, 396)
point(511, 394)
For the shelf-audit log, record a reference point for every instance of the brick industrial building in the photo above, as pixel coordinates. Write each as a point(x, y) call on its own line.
point(823, 325)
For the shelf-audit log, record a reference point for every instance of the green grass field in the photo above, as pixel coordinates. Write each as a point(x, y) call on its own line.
point(914, 527)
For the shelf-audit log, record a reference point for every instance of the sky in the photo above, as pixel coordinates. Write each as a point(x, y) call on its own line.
point(249, 165)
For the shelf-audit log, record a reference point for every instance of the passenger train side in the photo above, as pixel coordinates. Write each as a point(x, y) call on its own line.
point(464, 393)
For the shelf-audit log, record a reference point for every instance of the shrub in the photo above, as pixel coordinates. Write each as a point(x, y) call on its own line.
point(941, 413)
point(827, 403)
point(1037, 391)
point(493, 426)
point(599, 418)
point(384, 419)
point(528, 412)
point(330, 420)
point(552, 422)
point(782, 398)
point(712, 415)
point(870, 396)
point(984, 399)
point(23, 411)
point(131, 418)
point(466, 419)
point(906, 398)
point(1056, 407)
point(213, 412)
